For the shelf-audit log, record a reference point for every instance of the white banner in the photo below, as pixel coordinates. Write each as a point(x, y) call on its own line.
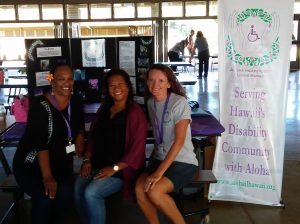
point(254, 47)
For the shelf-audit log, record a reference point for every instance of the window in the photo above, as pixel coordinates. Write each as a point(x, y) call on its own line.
point(297, 7)
point(195, 8)
point(100, 11)
point(28, 12)
point(147, 10)
point(179, 29)
point(78, 11)
point(7, 12)
point(12, 44)
point(171, 9)
point(213, 8)
point(124, 10)
point(52, 11)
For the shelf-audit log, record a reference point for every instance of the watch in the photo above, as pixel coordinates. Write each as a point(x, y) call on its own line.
point(116, 167)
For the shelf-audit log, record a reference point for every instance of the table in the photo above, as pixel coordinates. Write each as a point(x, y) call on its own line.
point(183, 64)
point(206, 126)
point(22, 83)
point(13, 131)
point(6, 123)
point(188, 82)
point(176, 63)
point(186, 79)
point(7, 86)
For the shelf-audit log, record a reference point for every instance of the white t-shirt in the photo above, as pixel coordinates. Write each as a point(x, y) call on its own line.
point(177, 110)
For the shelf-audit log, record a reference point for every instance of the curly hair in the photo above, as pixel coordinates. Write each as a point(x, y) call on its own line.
point(175, 86)
point(57, 65)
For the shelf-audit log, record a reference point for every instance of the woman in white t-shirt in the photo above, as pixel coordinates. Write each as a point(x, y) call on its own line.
point(173, 161)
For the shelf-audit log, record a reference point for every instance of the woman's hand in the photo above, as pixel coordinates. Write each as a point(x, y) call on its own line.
point(151, 180)
point(85, 169)
point(107, 171)
point(50, 185)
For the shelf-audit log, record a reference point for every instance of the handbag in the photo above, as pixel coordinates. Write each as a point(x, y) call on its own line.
point(20, 108)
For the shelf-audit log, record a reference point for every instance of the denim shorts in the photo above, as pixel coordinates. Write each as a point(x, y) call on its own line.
point(180, 174)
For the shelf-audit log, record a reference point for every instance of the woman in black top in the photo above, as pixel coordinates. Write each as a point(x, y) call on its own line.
point(115, 150)
point(43, 163)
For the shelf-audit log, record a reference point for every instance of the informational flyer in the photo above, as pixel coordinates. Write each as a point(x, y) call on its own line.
point(254, 49)
point(127, 56)
point(46, 52)
point(93, 53)
point(40, 78)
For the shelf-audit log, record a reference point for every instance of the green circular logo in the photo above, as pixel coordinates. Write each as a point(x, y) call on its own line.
point(247, 60)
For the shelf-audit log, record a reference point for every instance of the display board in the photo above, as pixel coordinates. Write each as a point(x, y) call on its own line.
point(41, 54)
point(90, 58)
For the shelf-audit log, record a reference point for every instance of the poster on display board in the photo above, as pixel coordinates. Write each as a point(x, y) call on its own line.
point(42, 52)
point(127, 56)
point(254, 49)
point(93, 53)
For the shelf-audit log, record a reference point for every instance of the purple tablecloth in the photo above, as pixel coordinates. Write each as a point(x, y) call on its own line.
point(14, 132)
point(206, 126)
point(201, 126)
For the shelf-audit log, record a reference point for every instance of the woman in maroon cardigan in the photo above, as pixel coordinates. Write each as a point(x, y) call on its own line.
point(115, 150)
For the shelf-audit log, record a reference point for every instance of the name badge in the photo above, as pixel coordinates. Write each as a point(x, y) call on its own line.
point(70, 148)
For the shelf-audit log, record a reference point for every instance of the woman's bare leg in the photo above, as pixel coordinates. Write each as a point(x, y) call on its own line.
point(160, 197)
point(148, 208)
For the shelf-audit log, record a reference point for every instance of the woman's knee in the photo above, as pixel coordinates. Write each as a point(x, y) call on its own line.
point(139, 187)
point(155, 196)
point(90, 194)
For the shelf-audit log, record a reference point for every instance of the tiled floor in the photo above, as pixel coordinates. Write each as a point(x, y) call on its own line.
point(205, 91)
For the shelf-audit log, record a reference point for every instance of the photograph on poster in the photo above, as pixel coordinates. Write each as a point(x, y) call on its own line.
point(40, 78)
point(93, 94)
point(93, 84)
point(144, 62)
point(143, 51)
point(142, 72)
point(93, 53)
point(45, 64)
point(79, 74)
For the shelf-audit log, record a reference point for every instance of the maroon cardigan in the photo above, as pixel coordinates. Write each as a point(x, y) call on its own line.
point(134, 153)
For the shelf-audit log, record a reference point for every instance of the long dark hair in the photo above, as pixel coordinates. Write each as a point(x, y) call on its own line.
point(175, 86)
point(108, 100)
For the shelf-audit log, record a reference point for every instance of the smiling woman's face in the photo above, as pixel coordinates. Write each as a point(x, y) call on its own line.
point(158, 84)
point(63, 82)
point(118, 88)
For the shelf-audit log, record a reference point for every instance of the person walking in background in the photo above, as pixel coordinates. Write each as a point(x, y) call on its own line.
point(173, 162)
point(175, 51)
point(43, 162)
point(189, 42)
point(115, 150)
point(203, 53)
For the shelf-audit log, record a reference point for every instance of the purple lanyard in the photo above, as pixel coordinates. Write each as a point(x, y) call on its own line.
point(160, 130)
point(66, 121)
